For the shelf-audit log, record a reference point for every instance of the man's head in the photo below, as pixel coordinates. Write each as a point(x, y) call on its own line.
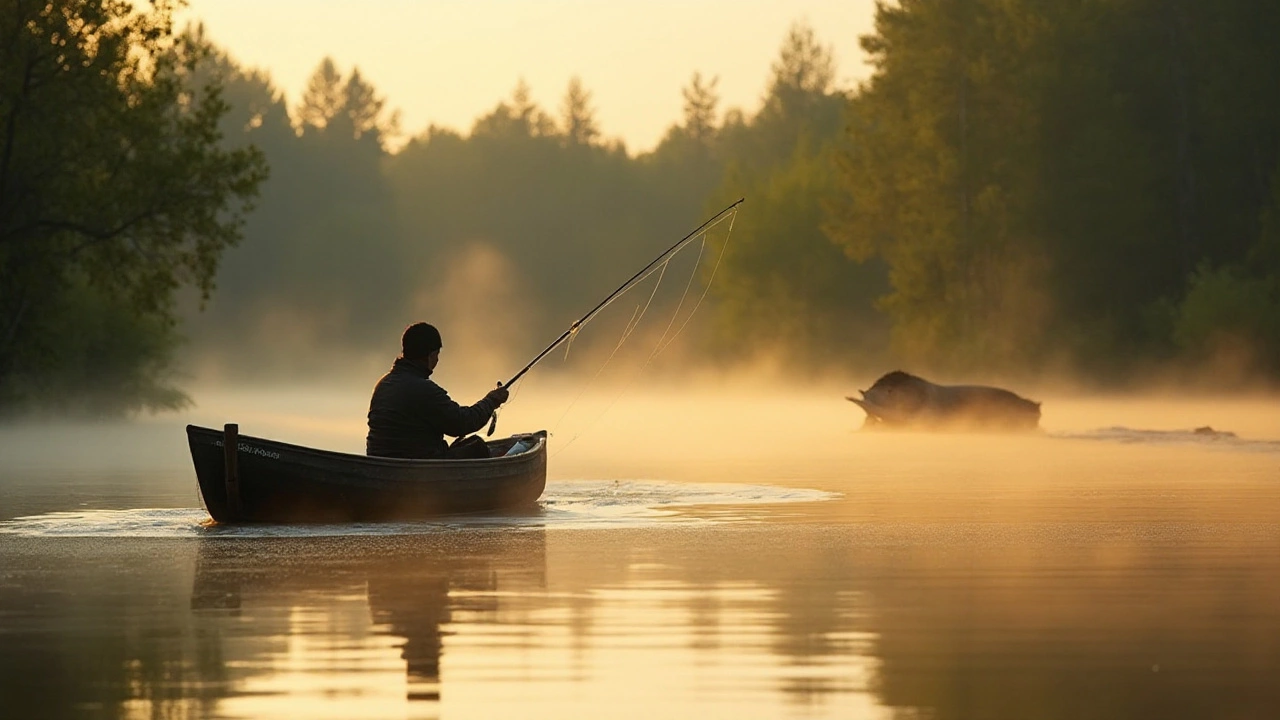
point(420, 341)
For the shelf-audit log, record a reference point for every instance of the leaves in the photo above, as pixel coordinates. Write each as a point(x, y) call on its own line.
point(111, 176)
point(1044, 178)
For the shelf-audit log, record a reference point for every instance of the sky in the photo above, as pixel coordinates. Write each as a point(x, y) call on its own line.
point(447, 62)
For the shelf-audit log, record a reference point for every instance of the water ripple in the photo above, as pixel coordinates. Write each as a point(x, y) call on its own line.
point(1205, 436)
point(566, 505)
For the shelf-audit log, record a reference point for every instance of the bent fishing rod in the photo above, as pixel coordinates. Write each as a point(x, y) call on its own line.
point(577, 324)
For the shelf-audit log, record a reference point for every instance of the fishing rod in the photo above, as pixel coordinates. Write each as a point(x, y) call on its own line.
point(493, 423)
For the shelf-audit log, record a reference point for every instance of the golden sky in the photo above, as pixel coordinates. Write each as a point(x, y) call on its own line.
point(446, 62)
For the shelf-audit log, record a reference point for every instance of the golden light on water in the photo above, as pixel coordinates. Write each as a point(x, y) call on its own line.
point(1078, 557)
point(328, 664)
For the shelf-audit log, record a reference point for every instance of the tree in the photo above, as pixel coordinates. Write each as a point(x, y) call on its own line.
point(578, 116)
point(349, 108)
point(521, 117)
point(803, 66)
point(323, 99)
point(320, 260)
point(1077, 180)
point(686, 166)
point(939, 175)
point(783, 287)
point(700, 100)
point(114, 192)
point(535, 121)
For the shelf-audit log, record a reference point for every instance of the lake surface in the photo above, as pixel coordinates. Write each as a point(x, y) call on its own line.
point(721, 554)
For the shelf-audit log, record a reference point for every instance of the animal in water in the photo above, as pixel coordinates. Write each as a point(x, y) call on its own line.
point(902, 400)
point(1209, 432)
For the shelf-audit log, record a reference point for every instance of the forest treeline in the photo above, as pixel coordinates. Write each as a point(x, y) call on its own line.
point(1078, 188)
point(507, 233)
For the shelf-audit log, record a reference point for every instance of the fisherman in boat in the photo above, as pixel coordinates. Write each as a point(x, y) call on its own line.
point(409, 414)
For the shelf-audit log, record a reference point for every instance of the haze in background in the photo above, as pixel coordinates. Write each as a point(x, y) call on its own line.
point(447, 63)
point(982, 209)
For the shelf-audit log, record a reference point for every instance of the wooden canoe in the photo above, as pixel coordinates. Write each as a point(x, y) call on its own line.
point(275, 482)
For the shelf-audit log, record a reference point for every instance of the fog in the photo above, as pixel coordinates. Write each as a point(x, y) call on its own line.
point(701, 427)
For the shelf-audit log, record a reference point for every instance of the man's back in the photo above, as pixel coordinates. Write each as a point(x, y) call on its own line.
point(409, 414)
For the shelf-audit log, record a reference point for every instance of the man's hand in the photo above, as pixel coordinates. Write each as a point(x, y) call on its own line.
point(497, 396)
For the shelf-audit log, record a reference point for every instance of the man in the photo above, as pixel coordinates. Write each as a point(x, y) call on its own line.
point(409, 415)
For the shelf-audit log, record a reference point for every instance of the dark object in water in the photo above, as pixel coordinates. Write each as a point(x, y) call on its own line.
point(281, 483)
point(903, 400)
point(1208, 431)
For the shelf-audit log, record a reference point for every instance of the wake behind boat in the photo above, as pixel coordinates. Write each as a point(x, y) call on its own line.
point(275, 482)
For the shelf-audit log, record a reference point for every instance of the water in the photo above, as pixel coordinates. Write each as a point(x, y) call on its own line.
point(729, 554)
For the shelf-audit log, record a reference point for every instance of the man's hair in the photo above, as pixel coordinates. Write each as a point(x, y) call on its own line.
point(420, 340)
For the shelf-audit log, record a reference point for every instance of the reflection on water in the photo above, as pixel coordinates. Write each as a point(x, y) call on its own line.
point(765, 570)
point(959, 621)
point(361, 621)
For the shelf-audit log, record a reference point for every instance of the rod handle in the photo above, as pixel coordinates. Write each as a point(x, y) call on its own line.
point(493, 419)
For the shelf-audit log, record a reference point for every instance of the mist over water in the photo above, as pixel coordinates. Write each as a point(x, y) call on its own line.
point(726, 430)
point(737, 547)
point(711, 542)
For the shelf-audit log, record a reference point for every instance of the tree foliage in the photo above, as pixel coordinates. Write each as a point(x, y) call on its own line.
point(114, 193)
point(1072, 179)
point(321, 264)
point(936, 183)
point(783, 288)
point(1020, 183)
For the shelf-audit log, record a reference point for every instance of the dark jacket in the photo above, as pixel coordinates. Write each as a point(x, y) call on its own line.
point(409, 415)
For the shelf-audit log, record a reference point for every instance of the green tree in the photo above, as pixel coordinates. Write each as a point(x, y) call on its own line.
point(1076, 179)
point(782, 285)
point(320, 273)
point(568, 221)
point(939, 174)
point(687, 165)
point(1230, 315)
point(114, 193)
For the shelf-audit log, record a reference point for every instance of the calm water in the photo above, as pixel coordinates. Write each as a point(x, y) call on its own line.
point(725, 555)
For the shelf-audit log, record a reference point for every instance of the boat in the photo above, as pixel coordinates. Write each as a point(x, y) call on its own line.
point(267, 481)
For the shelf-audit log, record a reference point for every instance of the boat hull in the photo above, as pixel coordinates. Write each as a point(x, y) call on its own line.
point(283, 483)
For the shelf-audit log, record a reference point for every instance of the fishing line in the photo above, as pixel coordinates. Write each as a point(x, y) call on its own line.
point(636, 316)
point(644, 272)
point(715, 268)
point(659, 347)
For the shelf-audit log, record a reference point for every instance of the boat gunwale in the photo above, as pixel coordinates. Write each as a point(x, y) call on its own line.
point(377, 460)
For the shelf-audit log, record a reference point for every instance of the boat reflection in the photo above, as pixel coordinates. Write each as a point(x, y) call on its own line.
point(407, 589)
point(909, 621)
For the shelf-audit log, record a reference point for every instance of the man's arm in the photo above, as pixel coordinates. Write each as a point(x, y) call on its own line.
point(456, 420)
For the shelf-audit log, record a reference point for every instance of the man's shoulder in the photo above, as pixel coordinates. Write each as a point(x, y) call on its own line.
point(400, 379)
